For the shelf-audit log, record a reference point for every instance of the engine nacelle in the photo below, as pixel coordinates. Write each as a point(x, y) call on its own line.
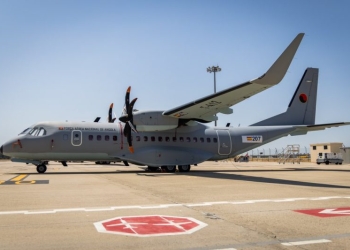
point(147, 121)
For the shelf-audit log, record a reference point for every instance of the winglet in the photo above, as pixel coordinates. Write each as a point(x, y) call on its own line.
point(277, 71)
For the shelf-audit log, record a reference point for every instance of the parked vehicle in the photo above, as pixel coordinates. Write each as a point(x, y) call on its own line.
point(327, 158)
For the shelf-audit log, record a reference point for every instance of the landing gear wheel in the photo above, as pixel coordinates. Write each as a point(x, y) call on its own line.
point(184, 168)
point(152, 169)
point(169, 169)
point(327, 162)
point(41, 168)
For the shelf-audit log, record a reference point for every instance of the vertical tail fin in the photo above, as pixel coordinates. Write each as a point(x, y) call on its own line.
point(302, 107)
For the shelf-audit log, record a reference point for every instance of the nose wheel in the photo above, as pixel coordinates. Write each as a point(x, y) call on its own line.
point(41, 168)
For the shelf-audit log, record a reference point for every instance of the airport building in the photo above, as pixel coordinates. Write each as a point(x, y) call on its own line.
point(329, 147)
point(346, 154)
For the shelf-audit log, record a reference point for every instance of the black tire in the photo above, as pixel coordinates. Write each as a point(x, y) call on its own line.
point(327, 162)
point(41, 168)
point(169, 169)
point(318, 163)
point(340, 163)
point(184, 168)
point(152, 169)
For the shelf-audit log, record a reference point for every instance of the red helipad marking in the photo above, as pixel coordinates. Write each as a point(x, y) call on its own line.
point(328, 212)
point(149, 225)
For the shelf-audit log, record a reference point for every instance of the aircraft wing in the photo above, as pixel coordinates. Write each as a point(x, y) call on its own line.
point(303, 129)
point(204, 109)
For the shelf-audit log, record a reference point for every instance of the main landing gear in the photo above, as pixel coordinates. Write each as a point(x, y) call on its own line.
point(171, 168)
point(41, 168)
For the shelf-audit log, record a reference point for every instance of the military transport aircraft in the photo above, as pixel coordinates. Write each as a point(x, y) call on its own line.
point(176, 137)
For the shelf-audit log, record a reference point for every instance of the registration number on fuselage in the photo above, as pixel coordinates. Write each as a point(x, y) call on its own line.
point(252, 139)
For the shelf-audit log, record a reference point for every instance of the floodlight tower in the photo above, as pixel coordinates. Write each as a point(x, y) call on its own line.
point(214, 69)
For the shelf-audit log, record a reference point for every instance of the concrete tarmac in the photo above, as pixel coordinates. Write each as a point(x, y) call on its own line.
point(254, 205)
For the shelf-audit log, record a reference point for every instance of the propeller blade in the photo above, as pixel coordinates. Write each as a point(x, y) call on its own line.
point(127, 99)
point(131, 107)
point(129, 139)
point(127, 118)
point(132, 127)
point(110, 113)
point(127, 129)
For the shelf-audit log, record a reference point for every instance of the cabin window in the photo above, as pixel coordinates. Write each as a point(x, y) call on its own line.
point(106, 137)
point(313, 147)
point(91, 137)
point(137, 138)
point(153, 138)
point(99, 138)
point(188, 139)
point(174, 139)
point(65, 137)
point(167, 138)
point(201, 139)
point(181, 139)
point(145, 138)
point(215, 140)
point(115, 137)
point(195, 139)
point(325, 147)
point(160, 138)
point(208, 140)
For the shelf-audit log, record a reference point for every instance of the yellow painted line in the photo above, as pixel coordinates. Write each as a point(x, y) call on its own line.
point(25, 182)
point(19, 177)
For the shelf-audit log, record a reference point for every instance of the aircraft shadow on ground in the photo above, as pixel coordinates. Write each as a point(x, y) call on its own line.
point(220, 174)
point(237, 177)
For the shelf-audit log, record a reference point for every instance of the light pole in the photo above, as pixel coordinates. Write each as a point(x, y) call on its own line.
point(214, 69)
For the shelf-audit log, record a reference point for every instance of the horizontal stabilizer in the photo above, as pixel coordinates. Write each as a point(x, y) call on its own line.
point(306, 128)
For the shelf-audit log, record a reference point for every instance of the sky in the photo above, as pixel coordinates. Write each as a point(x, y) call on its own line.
point(68, 60)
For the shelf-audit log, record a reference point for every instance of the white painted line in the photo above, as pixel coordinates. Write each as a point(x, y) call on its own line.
point(13, 212)
point(197, 205)
point(125, 207)
point(97, 209)
point(69, 209)
point(256, 201)
point(325, 198)
point(225, 249)
point(291, 199)
point(41, 212)
point(306, 242)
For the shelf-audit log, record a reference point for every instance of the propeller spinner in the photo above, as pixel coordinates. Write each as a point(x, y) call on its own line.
point(127, 118)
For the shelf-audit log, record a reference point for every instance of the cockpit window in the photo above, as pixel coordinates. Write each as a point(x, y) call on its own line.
point(41, 132)
point(37, 132)
point(33, 131)
point(25, 131)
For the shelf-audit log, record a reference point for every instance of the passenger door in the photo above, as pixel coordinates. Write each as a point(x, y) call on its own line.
point(224, 142)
